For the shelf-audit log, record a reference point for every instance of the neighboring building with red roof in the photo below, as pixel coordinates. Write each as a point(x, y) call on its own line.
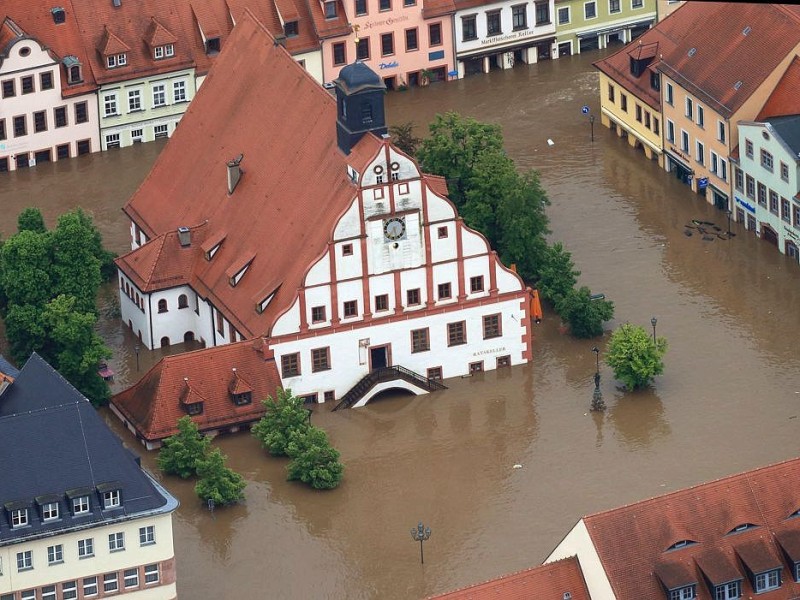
point(726, 539)
point(559, 580)
point(221, 388)
point(280, 212)
point(48, 106)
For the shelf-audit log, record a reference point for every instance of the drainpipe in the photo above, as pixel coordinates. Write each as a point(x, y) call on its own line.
point(150, 315)
point(213, 326)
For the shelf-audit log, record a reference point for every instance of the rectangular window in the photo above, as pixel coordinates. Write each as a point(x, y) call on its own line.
point(27, 85)
point(290, 365)
point(147, 535)
point(48, 593)
point(387, 44)
point(728, 591)
point(503, 361)
point(86, 548)
point(491, 326)
point(158, 52)
point(795, 215)
point(456, 333)
point(362, 49)
point(786, 211)
point(62, 151)
point(611, 93)
point(28, 595)
point(444, 291)
point(669, 94)
point(81, 112)
point(420, 341)
point(784, 171)
point(623, 102)
point(637, 3)
point(655, 125)
point(670, 131)
point(131, 578)
point(60, 116)
point(684, 593)
point(137, 135)
point(723, 169)
point(435, 373)
point(179, 91)
point(563, 15)
point(46, 80)
point(69, 590)
point(542, 13)
point(435, 34)
point(8, 88)
point(2, 129)
point(766, 160)
point(739, 180)
point(50, 511)
point(150, 574)
point(19, 518)
point(773, 202)
point(20, 126)
point(220, 323)
point(83, 147)
point(110, 582)
point(339, 54)
point(770, 580)
point(384, 4)
point(112, 141)
point(55, 554)
point(762, 195)
point(89, 586)
point(751, 187)
point(700, 155)
point(721, 131)
point(382, 302)
point(441, 232)
point(701, 119)
point(748, 148)
point(24, 560)
point(684, 141)
point(412, 297)
point(320, 359)
point(111, 499)
point(689, 109)
point(351, 308)
point(476, 284)
point(647, 119)
point(160, 131)
point(317, 314)
point(614, 6)
point(519, 17)
point(159, 95)
point(361, 7)
point(134, 100)
point(589, 10)
point(714, 162)
point(330, 10)
point(469, 29)
point(347, 249)
point(110, 105)
point(411, 39)
point(116, 541)
point(638, 110)
point(493, 26)
point(291, 29)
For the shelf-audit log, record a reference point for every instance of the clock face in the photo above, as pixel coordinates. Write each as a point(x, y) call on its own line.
point(394, 228)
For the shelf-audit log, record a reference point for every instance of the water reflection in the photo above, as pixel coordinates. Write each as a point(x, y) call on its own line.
point(638, 418)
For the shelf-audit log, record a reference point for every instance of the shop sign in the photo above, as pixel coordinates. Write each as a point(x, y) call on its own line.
point(492, 351)
point(389, 65)
point(791, 234)
point(381, 22)
point(746, 205)
point(509, 37)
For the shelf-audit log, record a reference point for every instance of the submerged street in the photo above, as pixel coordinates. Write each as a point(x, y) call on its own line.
point(728, 401)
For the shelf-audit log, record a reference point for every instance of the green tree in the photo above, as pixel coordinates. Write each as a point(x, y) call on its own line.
point(31, 219)
point(26, 332)
point(584, 315)
point(403, 137)
point(557, 274)
point(454, 145)
point(217, 482)
point(284, 416)
point(181, 453)
point(76, 266)
point(26, 271)
point(314, 460)
point(634, 357)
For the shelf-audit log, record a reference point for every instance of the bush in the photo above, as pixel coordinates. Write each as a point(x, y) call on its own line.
point(181, 453)
point(284, 416)
point(217, 482)
point(634, 357)
point(584, 315)
point(314, 460)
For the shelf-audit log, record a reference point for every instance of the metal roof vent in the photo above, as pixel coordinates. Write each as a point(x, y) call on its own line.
point(116, 3)
point(567, 596)
point(737, 85)
point(59, 15)
point(747, 30)
point(184, 236)
point(234, 172)
point(692, 52)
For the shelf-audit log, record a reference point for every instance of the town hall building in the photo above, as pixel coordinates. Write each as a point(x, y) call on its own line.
point(282, 213)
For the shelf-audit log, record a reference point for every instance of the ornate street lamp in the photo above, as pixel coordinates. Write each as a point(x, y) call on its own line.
point(421, 534)
point(653, 322)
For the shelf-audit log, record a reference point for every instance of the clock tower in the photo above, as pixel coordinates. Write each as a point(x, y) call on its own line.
point(359, 105)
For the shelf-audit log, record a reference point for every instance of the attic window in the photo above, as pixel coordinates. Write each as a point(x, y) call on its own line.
point(165, 51)
point(353, 174)
point(684, 593)
point(742, 527)
point(212, 45)
point(210, 254)
point(116, 60)
point(74, 69)
point(737, 85)
point(59, 16)
point(291, 29)
point(195, 408)
point(655, 81)
point(681, 544)
point(261, 306)
point(242, 398)
point(233, 281)
point(330, 10)
point(747, 30)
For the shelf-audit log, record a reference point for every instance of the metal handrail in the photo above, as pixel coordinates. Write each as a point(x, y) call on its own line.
point(382, 374)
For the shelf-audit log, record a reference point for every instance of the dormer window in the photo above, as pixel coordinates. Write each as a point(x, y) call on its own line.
point(19, 518)
point(59, 16)
point(166, 51)
point(681, 544)
point(49, 511)
point(80, 505)
point(74, 69)
point(212, 45)
point(195, 408)
point(655, 81)
point(770, 580)
point(116, 60)
point(291, 29)
point(742, 527)
point(728, 591)
point(111, 499)
point(330, 10)
point(684, 593)
point(242, 399)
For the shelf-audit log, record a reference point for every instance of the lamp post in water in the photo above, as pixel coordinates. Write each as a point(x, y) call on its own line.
point(591, 125)
point(421, 534)
point(653, 322)
point(136, 349)
point(597, 395)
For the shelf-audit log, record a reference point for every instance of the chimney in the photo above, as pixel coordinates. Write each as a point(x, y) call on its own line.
point(184, 236)
point(234, 173)
point(116, 3)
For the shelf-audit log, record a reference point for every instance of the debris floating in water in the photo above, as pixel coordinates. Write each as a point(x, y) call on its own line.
point(550, 142)
point(517, 466)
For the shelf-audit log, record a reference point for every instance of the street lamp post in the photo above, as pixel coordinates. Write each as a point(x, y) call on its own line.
point(421, 534)
point(653, 322)
point(597, 395)
point(730, 212)
point(591, 125)
point(136, 349)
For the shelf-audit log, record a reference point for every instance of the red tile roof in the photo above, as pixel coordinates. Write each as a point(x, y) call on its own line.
point(327, 28)
point(634, 542)
point(268, 108)
point(438, 8)
point(62, 39)
point(154, 405)
point(725, 63)
point(785, 99)
point(111, 44)
point(546, 582)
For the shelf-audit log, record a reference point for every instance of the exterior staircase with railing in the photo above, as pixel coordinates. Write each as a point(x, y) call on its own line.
point(382, 375)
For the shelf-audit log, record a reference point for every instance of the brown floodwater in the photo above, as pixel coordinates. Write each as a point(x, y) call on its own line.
point(729, 399)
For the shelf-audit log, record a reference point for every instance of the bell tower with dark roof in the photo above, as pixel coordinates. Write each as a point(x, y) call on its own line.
point(359, 105)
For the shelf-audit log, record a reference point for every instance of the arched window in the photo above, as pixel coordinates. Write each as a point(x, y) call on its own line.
point(188, 337)
point(162, 306)
point(165, 342)
point(183, 301)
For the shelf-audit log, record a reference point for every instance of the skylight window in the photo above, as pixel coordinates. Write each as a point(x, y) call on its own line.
point(681, 544)
point(742, 527)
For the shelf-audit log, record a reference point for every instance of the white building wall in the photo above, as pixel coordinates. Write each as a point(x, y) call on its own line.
point(578, 543)
point(347, 291)
point(312, 62)
point(414, 279)
point(320, 271)
point(133, 316)
point(445, 273)
point(103, 561)
point(288, 322)
point(176, 322)
point(349, 355)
